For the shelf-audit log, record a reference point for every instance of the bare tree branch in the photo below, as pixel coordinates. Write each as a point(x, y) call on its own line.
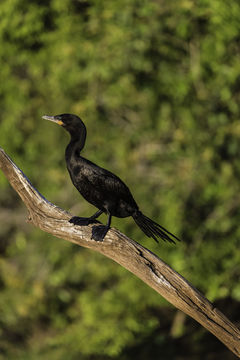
point(134, 257)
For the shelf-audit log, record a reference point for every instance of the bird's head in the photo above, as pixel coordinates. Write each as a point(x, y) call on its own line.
point(68, 121)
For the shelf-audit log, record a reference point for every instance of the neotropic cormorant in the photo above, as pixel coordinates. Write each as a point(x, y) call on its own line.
point(100, 187)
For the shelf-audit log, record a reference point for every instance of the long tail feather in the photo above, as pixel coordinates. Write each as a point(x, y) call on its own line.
point(152, 229)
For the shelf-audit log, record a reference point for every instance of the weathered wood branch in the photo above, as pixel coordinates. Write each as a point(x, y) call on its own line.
point(134, 257)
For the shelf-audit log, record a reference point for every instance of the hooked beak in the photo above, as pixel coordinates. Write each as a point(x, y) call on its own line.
point(53, 118)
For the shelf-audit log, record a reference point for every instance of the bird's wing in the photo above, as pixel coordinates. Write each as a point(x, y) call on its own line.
point(104, 180)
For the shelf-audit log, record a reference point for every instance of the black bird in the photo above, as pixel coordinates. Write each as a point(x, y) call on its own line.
point(100, 187)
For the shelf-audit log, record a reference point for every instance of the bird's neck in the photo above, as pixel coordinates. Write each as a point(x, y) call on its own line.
point(78, 138)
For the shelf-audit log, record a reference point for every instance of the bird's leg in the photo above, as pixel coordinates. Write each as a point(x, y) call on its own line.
point(99, 231)
point(82, 221)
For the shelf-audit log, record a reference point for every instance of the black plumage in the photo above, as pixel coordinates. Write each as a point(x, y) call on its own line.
point(106, 191)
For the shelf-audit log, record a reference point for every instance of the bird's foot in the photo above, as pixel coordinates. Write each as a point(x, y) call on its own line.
point(99, 232)
point(82, 221)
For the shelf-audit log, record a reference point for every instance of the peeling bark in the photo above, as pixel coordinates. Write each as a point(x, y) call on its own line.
point(126, 252)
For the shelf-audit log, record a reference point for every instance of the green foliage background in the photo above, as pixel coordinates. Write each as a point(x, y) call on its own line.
point(157, 83)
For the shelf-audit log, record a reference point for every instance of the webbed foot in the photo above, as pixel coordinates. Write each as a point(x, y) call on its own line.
point(82, 221)
point(99, 232)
